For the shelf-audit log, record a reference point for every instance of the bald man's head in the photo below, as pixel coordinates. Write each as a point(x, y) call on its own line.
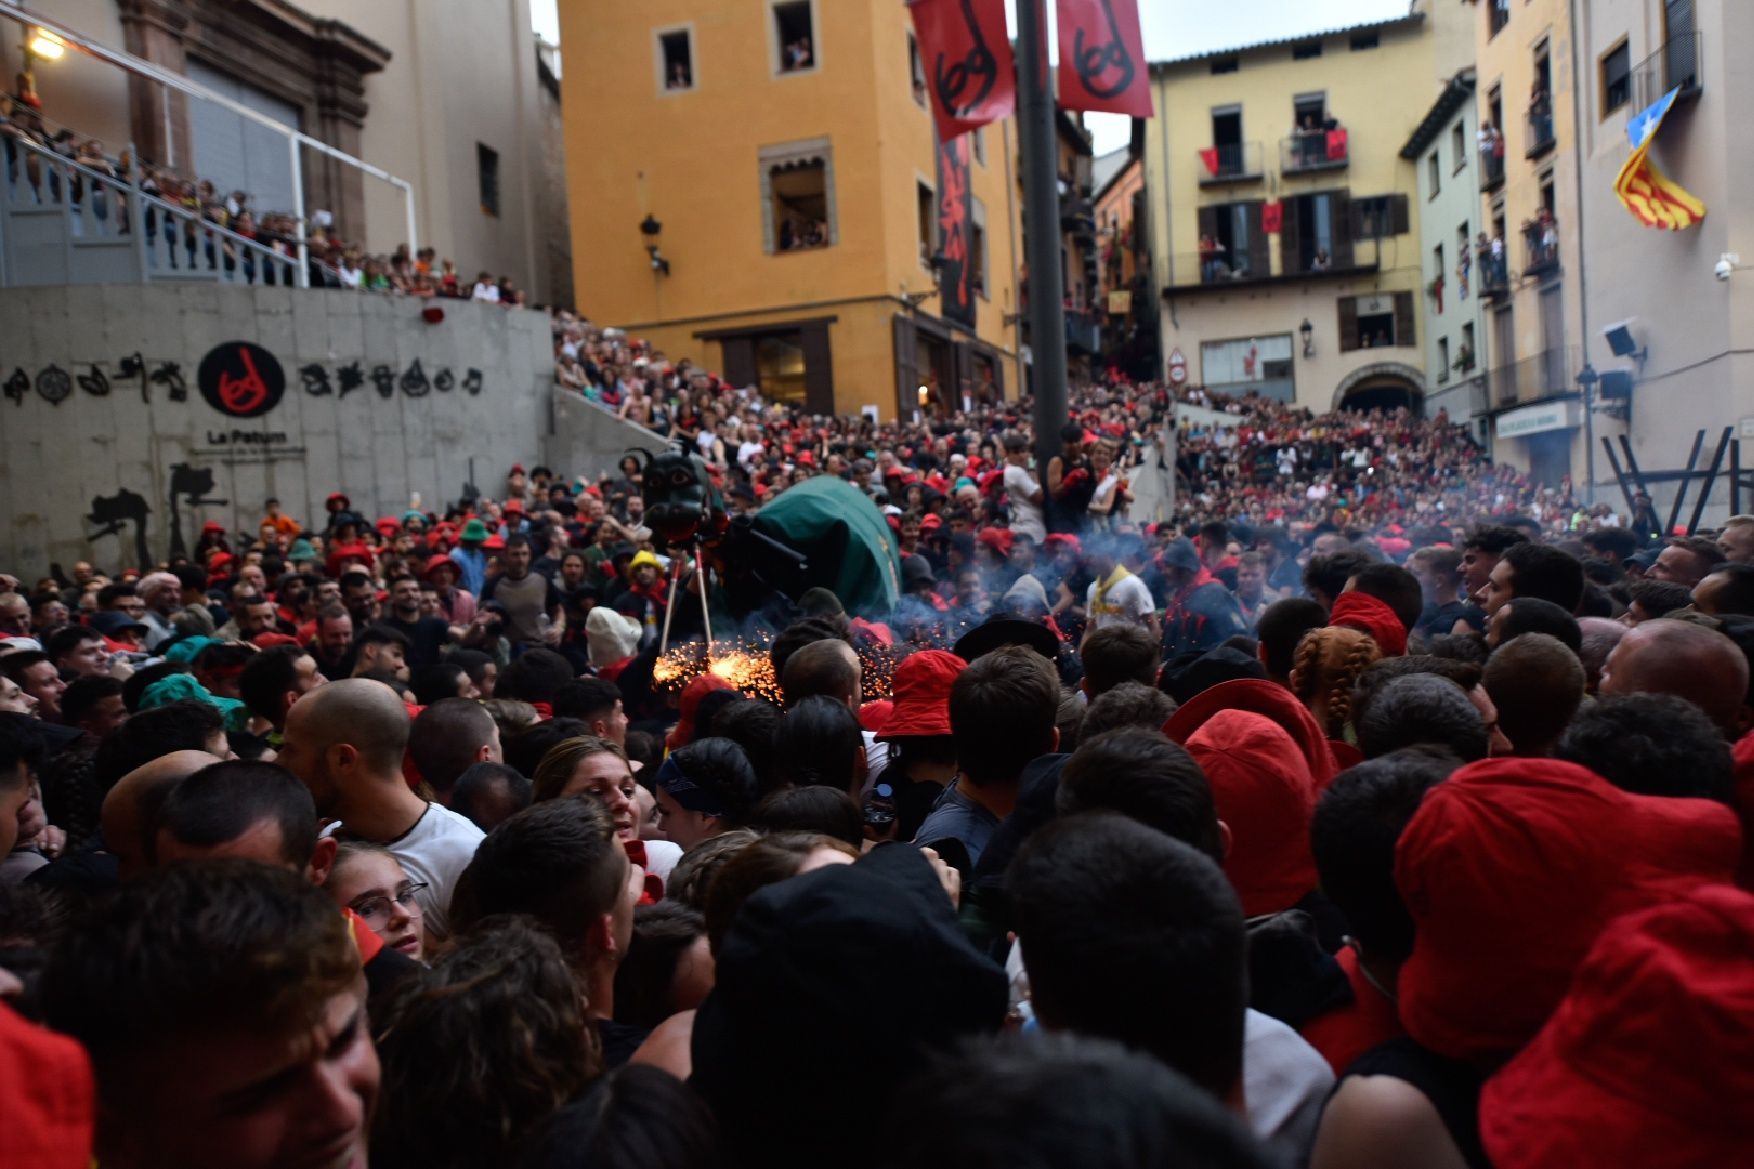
point(829, 668)
point(1600, 636)
point(345, 735)
point(130, 811)
point(1689, 661)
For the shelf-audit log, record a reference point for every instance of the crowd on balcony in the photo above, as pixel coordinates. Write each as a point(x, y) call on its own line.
point(190, 223)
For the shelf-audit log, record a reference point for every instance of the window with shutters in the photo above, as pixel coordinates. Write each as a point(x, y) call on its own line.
point(1434, 175)
point(1383, 320)
point(1616, 77)
point(1233, 243)
point(1316, 235)
point(1458, 146)
point(1378, 216)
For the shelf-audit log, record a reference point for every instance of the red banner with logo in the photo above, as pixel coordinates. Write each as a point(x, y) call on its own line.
point(956, 274)
point(966, 57)
point(1102, 58)
point(1273, 217)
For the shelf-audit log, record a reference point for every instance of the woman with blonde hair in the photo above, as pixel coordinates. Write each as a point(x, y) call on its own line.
point(1327, 663)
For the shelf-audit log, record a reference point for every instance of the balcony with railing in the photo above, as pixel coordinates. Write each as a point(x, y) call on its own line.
point(1541, 138)
point(1497, 16)
point(1540, 376)
point(1679, 64)
point(1491, 170)
point(1231, 162)
point(1541, 246)
point(1314, 152)
point(1083, 334)
point(1494, 271)
point(1214, 271)
point(62, 222)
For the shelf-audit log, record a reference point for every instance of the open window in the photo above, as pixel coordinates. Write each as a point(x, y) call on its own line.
point(487, 178)
point(1382, 321)
point(926, 214)
point(794, 35)
point(977, 250)
point(797, 190)
point(675, 60)
point(916, 69)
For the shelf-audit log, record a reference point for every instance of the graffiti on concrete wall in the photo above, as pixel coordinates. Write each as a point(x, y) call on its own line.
point(113, 512)
point(191, 484)
point(237, 378)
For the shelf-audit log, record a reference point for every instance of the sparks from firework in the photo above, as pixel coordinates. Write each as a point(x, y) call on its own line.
point(745, 664)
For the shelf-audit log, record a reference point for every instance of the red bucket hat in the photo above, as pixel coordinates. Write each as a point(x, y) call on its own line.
point(1266, 698)
point(1512, 868)
point(998, 539)
point(1371, 615)
point(1262, 789)
point(1649, 1061)
point(921, 691)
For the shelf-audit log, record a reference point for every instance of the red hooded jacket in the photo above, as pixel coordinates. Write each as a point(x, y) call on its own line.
point(1264, 794)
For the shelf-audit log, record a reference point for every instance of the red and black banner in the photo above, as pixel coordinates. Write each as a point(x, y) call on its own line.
point(957, 273)
point(1102, 58)
point(967, 59)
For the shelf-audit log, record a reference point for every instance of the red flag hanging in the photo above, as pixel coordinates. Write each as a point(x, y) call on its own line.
point(1209, 156)
point(1102, 58)
point(967, 60)
point(1273, 217)
point(1336, 146)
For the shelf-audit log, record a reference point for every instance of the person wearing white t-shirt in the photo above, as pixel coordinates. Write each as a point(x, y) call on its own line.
point(1116, 596)
point(1023, 490)
point(345, 741)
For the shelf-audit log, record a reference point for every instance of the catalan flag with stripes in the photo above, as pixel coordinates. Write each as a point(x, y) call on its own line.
point(1653, 198)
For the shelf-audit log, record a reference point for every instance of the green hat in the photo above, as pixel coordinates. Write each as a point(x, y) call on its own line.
point(473, 532)
point(301, 549)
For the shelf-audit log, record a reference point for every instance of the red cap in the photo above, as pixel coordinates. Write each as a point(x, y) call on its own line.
point(1263, 792)
point(931, 522)
point(1649, 1060)
point(922, 694)
point(1511, 868)
point(213, 526)
point(271, 640)
point(517, 469)
point(1371, 615)
point(1057, 538)
point(219, 560)
point(387, 524)
point(998, 539)
point(1270, 699)
point(516, 505)
point(494, 543)
point(698, 688)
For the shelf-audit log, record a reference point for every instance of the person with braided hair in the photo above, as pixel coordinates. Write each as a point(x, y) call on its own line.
point(1327, 663)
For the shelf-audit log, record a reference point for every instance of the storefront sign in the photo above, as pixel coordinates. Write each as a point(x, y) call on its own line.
point(1538, 419)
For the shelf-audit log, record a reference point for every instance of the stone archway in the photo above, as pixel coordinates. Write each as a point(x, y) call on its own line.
point(1385, 383)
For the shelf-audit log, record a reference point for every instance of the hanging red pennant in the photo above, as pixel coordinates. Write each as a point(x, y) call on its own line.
point(1273, 217)
point(1336, 146)
point(1209, 156)
point(1102, 58)
point(966, 56)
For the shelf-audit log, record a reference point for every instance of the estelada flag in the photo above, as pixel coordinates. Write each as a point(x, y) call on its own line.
point(967, 60)
point(1653, 198)
point(1102, 58)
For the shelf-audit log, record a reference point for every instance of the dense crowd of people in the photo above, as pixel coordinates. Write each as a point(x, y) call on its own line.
point(1372, 806)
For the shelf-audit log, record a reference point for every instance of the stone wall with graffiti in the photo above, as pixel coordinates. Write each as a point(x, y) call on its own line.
point(130, 415)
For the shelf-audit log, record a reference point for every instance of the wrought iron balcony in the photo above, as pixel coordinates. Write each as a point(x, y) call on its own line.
point(1491, 171)
point(1679, 64)
point(1541, 139)
point(1541, 247)
point(1314, 152)
point(1232, 162)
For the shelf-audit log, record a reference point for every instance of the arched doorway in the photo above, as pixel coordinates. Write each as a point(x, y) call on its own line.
point(1386, 385)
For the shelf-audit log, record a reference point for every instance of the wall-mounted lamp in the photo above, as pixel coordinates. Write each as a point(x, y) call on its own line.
point(1307, 332)
point(650, 229)
point(925, 396)
point(45, 45)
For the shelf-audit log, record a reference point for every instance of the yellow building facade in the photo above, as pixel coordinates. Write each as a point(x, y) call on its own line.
point(780, 158)
point(1527, 91)
point(1302, 136)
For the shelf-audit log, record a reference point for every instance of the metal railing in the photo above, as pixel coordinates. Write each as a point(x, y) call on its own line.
point(1491, 170)
point(1235, 162)
point(1679, 64)
point(1541, 247)
point(1540, 127)
point(1542, 375)
point(80, 225)
point(1494, 272)
point(1313, 153)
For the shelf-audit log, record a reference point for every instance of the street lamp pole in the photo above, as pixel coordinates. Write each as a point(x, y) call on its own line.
point(1041, 210)
point(1586, 382)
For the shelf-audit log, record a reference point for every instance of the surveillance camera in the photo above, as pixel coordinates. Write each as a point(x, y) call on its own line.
point(1723, 269)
